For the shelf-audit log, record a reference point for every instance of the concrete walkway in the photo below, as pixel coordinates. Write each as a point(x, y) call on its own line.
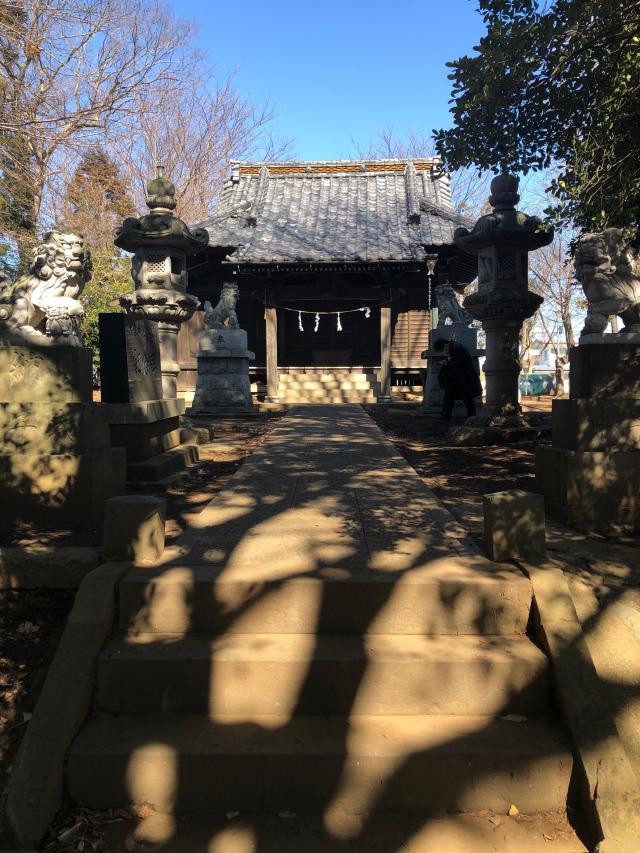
point(326, 640)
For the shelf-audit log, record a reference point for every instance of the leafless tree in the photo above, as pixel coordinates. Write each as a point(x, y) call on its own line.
point(121, 74)
point(194, 136)
point(469, 187)
point(74, 69)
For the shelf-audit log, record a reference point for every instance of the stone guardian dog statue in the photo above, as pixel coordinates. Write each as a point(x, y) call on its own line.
point(224, 314)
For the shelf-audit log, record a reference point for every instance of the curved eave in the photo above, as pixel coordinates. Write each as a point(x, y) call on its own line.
point(320, 266)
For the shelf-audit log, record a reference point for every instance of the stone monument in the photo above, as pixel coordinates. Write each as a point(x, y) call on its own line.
point(458, 329)
point(161, 243)
point(57, 465)
point(140, 420)
point(130, 364)
point(590, 476)
point(502, 240)
point(222, 384)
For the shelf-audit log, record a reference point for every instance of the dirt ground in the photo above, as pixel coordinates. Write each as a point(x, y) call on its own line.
point(459, 476)
point(31, 623)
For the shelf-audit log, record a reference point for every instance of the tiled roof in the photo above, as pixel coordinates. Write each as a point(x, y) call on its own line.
point(333, 212)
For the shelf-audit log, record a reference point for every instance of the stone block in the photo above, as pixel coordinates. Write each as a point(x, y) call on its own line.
point(144, 440)
point(145, 412)
point(222, 339)
point(134, 528)
point(194, 435)
point(53, 428)
point(216, 364)
point(597, 424)
point(514, 525)
point(590, 489)
point(605, 370)
point(222, 382)
point(66, 490)
point(60, 374)
point(129, 359)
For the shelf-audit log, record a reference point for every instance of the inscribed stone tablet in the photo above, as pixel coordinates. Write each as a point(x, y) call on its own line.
point(129, 359)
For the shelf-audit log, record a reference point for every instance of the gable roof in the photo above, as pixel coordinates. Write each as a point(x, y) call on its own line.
point(333, 212)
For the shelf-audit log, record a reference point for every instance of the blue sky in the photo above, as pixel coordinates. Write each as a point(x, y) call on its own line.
point(339, 71)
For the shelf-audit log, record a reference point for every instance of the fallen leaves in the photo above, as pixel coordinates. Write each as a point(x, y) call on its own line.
point(27, 628)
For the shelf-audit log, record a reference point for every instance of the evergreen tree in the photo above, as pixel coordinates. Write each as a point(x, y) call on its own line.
point(96, 201)
point(17, 224)
point(555, 83)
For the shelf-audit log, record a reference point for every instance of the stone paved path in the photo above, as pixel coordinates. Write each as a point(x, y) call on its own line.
point(324, 487)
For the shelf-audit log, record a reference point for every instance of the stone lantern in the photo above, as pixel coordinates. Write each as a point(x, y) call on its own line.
point(161, 243)
point(502, 240)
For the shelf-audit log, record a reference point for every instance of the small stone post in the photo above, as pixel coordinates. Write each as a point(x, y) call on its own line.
point(502, 240)
point(161, 243)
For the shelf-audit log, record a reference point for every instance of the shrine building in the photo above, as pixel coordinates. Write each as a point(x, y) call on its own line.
point(331, 260)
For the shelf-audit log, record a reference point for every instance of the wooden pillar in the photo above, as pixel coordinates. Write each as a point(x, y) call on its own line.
point(385, 354)
point(271, 320)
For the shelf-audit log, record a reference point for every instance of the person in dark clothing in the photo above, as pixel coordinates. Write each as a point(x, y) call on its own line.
point(459, 378)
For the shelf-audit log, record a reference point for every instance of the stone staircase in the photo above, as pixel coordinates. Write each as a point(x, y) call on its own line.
point(325, 642)
point(328, 385)
point(195, 713)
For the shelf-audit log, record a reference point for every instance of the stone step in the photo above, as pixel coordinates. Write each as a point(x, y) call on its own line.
point(325, 374)
point(325, 386)
point(324, 392)
point(308, 391)
point(275, 674)
point(360, 379)
point(334, 399)
point(314, 384)
point(445, 596)
point(377, 833)
point(163, 465)
point(414, 764)
point(291, 832)
point(317, 385)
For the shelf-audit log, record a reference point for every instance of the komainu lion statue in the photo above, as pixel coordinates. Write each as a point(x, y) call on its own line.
point(224, 314)
point(449, 307)
point(609, 273)
point(44, 301)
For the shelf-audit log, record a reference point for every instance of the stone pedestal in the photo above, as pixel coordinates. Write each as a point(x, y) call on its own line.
point(590, 477)
point(223, 383)
point(462, 334)
point(57, 465)
point(147, 426)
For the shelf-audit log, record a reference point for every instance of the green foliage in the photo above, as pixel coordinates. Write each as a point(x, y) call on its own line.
point(96, 201)
point(555, 83)
point(111, 279)
point(97, 198)
point(16, 160)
